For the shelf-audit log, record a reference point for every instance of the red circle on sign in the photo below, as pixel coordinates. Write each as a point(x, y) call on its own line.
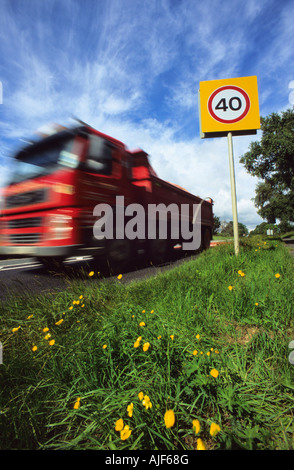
point(228, 87)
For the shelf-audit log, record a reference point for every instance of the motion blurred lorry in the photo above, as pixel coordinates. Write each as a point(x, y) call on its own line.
point(57, 180)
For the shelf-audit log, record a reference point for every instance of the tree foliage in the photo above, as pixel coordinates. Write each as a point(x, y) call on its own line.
point(272, 160)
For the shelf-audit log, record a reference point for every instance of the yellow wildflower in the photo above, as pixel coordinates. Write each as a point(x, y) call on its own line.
point(200, 444)
point(152, 311)
point(230, 287)
point(146, 346)
point(169, 418)
point(29, 317)
point(104, 346)
point(159, 337)
point(47, 336)
point(195, 352)
point(142, 323)
point(59, 322)
point(214, 373)
point(81, 296)
point(130, 409)
point(196, 425)
point(125, 433)
point(52, 342)
point(70, 308)
point(140, 396)
point(91, 273)
point(77, 403)
point(34, 348)
point(45, 330)
point(214, 429)
point(277, 275)
point(198, 336)
point(119, 276)
point(143, 311)
point(14, 330)
point(172, 337)
point(119, 425)
point(256, 303)
point(146, 402)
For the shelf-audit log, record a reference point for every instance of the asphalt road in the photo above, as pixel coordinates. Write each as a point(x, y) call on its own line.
point(23, 277)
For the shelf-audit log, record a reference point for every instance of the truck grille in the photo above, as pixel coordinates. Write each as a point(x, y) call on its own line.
point(24, 199)
point(25, 238)
point(25, 223)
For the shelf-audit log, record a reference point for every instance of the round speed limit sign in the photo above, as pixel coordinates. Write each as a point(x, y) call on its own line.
point(228, 104)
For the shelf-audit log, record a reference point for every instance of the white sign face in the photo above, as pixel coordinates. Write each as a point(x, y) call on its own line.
point(228, 104)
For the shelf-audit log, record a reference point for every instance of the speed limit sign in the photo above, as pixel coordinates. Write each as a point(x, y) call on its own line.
point(229, 105)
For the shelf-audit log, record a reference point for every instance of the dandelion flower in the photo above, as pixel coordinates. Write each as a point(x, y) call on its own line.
point(141, 396)
point(198, 336)
point(104, 346)
point(119, 425)
point(142, 323)
point(80, 297)
point(130, 409)
point(91, 273)
point(119, 276)
point(200, 444)
point(152, 311)
point(208, 353)
point(214, 373)
point(47, 336)
point(34, 348)
point(77, 403)
point(59, 322)
point(196, 425)
point(169, 418)
point(70, 308)
point(195, 352)
point(214, 429)
point(256, 303)
point(277, 275)
point(45, 329)
point(143, 311)
point(52, 342)
point(125, 433)
point(146, 346)
point(29, 317)
point(14, 330)
point(230, 287)
point(159, 337)
point(172, 337)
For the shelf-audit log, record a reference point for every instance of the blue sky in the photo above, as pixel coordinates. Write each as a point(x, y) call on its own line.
point(132, 69)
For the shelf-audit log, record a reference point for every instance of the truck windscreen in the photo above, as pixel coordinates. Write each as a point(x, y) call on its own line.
point(42, 159)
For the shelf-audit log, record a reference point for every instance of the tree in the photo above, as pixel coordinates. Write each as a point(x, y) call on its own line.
point(216, 224)
point(272, 160)
point(228, 229)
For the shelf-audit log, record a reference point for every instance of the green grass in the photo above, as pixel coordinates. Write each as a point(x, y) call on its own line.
point(251, 399)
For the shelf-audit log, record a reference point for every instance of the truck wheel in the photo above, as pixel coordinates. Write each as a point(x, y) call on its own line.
point(157, 250)
point(51, 263)
point(206, 237)
point(119, 255)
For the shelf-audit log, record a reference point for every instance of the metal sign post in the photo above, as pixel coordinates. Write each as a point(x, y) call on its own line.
point(233, 193)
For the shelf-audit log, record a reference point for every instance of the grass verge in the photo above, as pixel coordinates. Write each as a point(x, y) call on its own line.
point(99, 365)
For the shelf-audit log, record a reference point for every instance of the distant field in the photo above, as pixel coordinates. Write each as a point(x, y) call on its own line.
point(194, 358)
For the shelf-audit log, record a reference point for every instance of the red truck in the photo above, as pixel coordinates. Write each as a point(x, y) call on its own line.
point(48, 207)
